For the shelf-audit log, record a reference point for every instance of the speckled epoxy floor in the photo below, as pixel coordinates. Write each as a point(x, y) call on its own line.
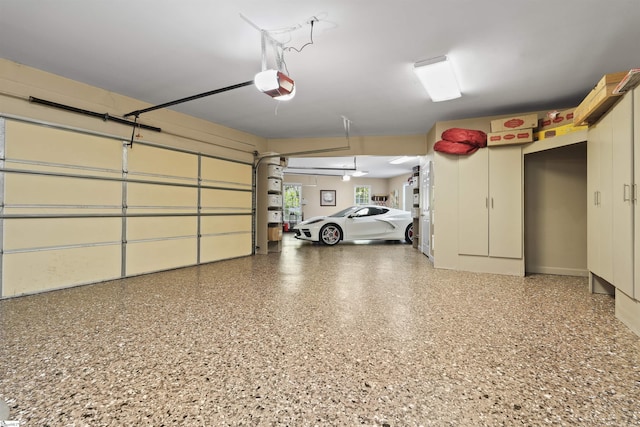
point(342, 336)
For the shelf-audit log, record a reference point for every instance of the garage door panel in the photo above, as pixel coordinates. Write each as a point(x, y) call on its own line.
point(216, 248)
point(161, 227)
point(225, 224)
point(146, 257)
point(49, 145)
point(30, 272)
point(217, 170)
point(162, 164)
point(52, 190)
point(229, 200)
point(21, 234)
point(161, 195)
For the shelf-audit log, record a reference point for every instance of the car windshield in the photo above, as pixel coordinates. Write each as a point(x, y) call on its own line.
point(345, 212)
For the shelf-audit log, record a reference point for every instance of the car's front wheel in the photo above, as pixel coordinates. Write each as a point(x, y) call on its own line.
point(330, 234)
point(408, 234)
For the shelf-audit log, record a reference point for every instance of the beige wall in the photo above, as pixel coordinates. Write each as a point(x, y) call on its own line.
point(410, 145)
point(19, 82)
point(396, 185)
point(555, 211)
point(312, 184)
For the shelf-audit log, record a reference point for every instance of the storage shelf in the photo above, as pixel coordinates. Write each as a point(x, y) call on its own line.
point(556, 142)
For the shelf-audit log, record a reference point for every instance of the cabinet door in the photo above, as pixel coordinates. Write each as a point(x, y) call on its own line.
point(593, 208)
point(505, 202)
point(605, 199)
point(636, 170)
point(622, 157)
point(473, 202)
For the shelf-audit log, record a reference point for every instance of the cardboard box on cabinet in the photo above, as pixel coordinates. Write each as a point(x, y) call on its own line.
point(599, 100)
point(510, 137)
point(526, 121)
point(554, 119)
point(560, 130)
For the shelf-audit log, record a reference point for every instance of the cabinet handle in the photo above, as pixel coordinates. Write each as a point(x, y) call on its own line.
point(626, 193)
point(486, 202)
point(634, 197)
point(492, 203)
point(595, 198)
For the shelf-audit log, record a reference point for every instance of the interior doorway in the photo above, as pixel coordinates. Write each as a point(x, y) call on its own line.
point(292, 202)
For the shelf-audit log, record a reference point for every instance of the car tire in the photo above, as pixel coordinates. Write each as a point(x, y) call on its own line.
point(330, 234)
point(408, 234)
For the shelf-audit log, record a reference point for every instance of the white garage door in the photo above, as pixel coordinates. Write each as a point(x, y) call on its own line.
point(81, 208)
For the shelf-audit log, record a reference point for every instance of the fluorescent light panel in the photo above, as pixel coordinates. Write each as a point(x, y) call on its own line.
point(437, 77)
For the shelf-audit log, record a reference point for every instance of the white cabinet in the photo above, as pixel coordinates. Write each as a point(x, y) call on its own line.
point(490, 203)
point(613, 214)
point(610, 208)
point(622, 194)
point(636, 213)
point(599, 239)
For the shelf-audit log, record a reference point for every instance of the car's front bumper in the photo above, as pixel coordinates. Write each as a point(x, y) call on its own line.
point(302, 233)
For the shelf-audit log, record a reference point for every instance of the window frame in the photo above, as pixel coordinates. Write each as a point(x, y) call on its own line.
point(355, 195)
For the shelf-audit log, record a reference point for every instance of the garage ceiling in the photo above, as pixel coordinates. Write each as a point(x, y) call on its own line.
point(374, 166)
point(509, 56)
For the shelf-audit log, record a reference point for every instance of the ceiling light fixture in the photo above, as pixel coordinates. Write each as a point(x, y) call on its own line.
point(359, 173)
point(438, 78)
point(346, 177)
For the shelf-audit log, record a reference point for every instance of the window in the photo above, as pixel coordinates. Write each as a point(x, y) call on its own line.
point(362, 195)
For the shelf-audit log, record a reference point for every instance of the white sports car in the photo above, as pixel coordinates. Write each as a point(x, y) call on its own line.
point(358, 223)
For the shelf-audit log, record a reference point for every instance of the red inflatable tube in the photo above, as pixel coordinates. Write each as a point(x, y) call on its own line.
point(468, 136)
point(459, 148)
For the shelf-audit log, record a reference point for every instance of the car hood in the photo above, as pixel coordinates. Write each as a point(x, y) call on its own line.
point(310, 220)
